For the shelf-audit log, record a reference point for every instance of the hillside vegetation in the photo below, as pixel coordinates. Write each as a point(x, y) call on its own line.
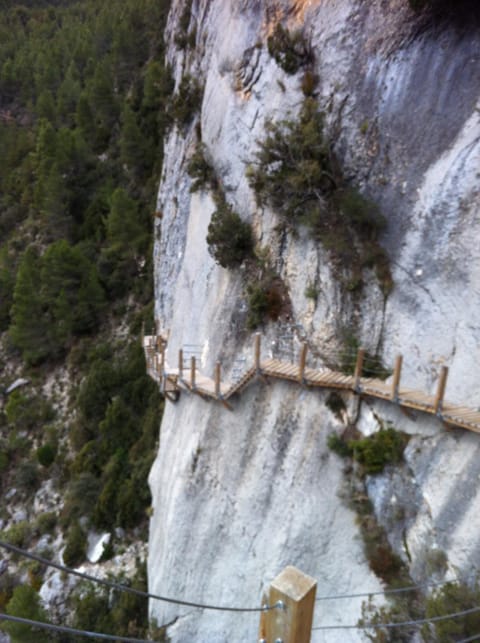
point(83, 95)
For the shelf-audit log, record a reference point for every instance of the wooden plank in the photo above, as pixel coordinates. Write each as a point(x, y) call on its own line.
point(462, 414)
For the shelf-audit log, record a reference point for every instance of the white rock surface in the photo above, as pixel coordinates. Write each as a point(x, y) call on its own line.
point(96, 545)
point(238, 495)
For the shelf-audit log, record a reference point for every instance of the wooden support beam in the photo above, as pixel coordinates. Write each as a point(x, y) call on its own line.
point(217, 379)
point(303, 359)
point(162, 359)
point(159, 342)
point(180, 363)
point(257, 352)
point(396, 377)
point(442, 383)
point(192, 372)
point(358, 368)
point(293, 592)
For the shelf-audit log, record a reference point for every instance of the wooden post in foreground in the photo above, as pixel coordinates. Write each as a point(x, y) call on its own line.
point(257, 352)
point(358, 368)
point(180, 363)
point(291, 623)
point(303, 359)
point(442, 383)
point(217, 379)
point(396, 377)
point(192, 372)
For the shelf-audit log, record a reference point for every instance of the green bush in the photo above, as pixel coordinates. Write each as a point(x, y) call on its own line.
point(297, 174)
point(384, 447)
point(339, 446)
point(335, 403)
point(19, 534)
point(289, 50)
point(98, 609)
point(293, 171)
point(25, 603)
point(46, 523)
point(265, 300)
point(26, 411)
point(27, 477)
point(374, 452)
point(363, 214)
point(311, 291)
point(46, 454)
point(75, 547)
point(181, 38)
point(229, 239)
point(187, 101)
point(452, 597)
point(200, 170)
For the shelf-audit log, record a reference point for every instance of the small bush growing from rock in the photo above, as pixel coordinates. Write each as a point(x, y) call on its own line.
point(339, 446)
point(376, 451)
point(76, 546)
point(229, 239)
point(297, 174)
point(289, 49)
point(335, 403)
point(19, 534)
point(46, 454)
point(200, 170)
point(187, 101)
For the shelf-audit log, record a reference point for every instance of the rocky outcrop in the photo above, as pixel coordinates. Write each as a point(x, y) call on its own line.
point(238, 495)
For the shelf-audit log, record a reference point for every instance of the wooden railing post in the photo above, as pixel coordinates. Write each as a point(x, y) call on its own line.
point(293, 594)
point(396, 377)
point(442, 383)
point(192, 372)
point(217, 379)
point(303, 359)
point(257, 352)
point(358, 368)
point(180, 363)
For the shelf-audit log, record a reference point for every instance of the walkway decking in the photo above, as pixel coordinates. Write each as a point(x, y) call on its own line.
point(173, 380)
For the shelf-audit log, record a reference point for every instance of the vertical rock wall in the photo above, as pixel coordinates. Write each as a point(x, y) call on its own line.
point(238, 495)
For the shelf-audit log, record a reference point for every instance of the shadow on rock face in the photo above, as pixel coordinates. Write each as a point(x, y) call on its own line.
point(463, 14)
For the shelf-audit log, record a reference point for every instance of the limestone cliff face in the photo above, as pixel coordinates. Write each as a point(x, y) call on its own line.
point(238, 495)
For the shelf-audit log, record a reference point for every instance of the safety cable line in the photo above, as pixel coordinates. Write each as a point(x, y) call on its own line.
point(422, 621)
point(475, 637)
point(131, 590)
point(70, 630)
point(399, 590)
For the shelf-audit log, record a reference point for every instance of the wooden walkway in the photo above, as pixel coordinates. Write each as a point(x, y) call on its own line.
point(186, 377)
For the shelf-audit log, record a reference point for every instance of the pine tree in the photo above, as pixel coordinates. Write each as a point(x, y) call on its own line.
point(25, 603)
point(29, 329)
point(135, 151)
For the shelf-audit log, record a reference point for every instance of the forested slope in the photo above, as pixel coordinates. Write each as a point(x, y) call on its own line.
point(83, 91)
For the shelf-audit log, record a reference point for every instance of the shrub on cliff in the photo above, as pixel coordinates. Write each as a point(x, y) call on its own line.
point(289, 49)
point(229, 239)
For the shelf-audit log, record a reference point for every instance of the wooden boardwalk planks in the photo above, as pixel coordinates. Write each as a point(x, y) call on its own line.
point(171, 380)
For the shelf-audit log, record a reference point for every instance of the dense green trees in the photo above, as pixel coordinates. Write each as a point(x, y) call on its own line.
point(56, 297)
point(81, 124)
point(83, 112)
point(25, 603)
